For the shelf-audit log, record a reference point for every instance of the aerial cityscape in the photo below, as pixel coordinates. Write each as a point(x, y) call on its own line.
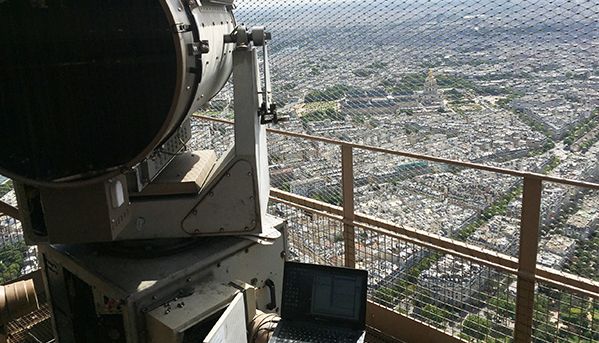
point(509, 84)
point(515, 86)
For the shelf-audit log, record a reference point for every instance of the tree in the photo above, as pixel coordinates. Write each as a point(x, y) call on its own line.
point(386, 295)
point(544, 333)
point(434, 313)
point(503, 306)
point(575, 318)
point(11, 258)
point(476, 327)
point(334, 93)
point(548, 145)
point(6, 187)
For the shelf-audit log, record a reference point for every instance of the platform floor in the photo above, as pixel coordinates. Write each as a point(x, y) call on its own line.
point(36, 328)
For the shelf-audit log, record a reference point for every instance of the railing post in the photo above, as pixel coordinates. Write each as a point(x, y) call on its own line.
point(347, 189)
point(9, 210)
point(527, 259)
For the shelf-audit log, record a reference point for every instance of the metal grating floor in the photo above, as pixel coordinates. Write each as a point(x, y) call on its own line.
point(37, 328)
point(32, 328)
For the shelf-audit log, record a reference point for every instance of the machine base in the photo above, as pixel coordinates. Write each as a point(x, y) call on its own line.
point(112, 292)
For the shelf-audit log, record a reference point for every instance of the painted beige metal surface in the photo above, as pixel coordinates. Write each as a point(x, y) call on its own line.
point(404, 328)
point(185, 175)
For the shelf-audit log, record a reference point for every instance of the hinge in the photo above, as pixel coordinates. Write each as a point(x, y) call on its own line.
point(198, 48)
point(181, 28)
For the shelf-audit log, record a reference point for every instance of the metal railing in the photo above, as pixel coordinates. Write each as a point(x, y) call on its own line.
point(401, 295)
point(529, 275)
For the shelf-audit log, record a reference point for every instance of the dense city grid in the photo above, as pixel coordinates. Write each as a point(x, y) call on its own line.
point(511, 84)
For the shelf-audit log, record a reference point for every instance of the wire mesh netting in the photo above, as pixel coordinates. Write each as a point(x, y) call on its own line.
point(305, 167)
point(567, 236)
point(463, 298)
point(311, 237)
point(562, 316)
point(481, 81)
point(466, 204)
point(208, 135)
point(511, 84)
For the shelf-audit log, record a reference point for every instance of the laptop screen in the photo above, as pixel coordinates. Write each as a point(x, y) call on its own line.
point(323, 294)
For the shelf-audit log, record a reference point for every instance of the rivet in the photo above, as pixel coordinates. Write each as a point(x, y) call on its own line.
point(228, 174)
point(195, 212)
point(211, 194)
point(246, 228)
point(222, 230)
point(197, 231)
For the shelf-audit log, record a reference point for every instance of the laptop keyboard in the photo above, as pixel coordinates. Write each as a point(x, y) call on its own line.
point(314, 334)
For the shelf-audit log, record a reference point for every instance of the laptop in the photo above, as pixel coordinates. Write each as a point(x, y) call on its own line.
point(322, 304)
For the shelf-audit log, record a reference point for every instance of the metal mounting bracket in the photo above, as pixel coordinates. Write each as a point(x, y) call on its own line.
point(228, 207)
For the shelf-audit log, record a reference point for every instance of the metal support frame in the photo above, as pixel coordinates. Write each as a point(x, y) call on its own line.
point(347, 182)
point(250, 152)
point(9, 210)
point(529, 238)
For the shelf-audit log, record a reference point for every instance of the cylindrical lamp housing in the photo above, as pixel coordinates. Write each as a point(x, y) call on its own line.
point(89, 87)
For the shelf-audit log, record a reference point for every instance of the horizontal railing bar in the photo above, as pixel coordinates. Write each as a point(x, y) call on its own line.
point(563, 278)
point(406, 238)
point(472, 253)
point(311, 203)
point(306, 208)
point(444, 242)
point(9, 210)
point(425, 157)
point(454, 246)
point(401, 237)
point(567, 287)
point(437, 248)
